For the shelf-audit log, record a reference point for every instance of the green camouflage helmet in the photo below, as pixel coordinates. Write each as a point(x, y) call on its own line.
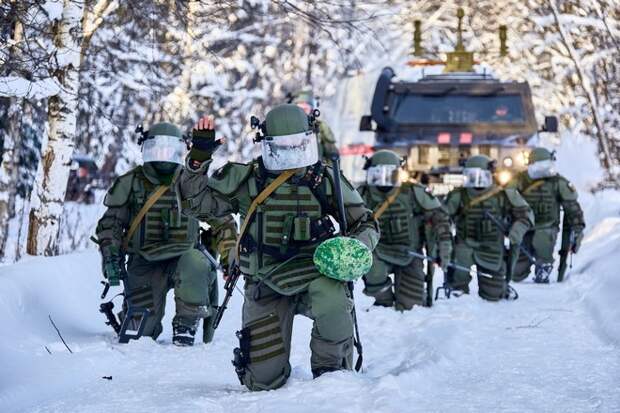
point(343, 258)
point(479, 161)
point(286, 119)
point(540, 154)
point(385, 157)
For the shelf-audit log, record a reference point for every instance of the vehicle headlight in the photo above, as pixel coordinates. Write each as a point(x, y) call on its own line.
point(507, 161)
point(503, 177)
point(522, 158)
point(403, 175)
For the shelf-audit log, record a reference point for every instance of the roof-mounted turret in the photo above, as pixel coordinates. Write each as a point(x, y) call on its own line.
point(460, 59)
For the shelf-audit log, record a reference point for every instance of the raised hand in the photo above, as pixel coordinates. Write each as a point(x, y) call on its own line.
point(204, 143)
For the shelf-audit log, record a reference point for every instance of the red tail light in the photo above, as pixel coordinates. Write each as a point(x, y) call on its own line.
point(466, 137)
point(356, 149)
point(443, 138)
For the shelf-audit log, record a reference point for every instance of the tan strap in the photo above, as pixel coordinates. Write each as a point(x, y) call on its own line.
point(533, 186)
point(479, 199)
point(159, 191)
point(384, 206)
point(269, 189)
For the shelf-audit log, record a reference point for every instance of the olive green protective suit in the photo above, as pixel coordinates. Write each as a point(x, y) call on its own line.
point(276, 261)
point(327, 141)
point(163, 253)
point(414, 220)
point(479, 241)
point(546, 197)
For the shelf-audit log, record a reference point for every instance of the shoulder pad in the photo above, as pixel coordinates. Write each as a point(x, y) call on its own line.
point(229, 177)
point(567, 190)
point(349, 194)
point(453, 196)
point(514, 198)
point(119, 192)
point(425, 198)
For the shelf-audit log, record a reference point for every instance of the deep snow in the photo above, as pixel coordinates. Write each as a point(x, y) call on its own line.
point(553, 350)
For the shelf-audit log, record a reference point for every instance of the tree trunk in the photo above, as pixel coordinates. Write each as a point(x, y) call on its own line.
point(8, 151)
point(9, 169)
point(53, 172)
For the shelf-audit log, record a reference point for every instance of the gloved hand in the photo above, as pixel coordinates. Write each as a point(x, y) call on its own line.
point(577, 242)
point(445, 255)
point(203, 140)
point(114, 270)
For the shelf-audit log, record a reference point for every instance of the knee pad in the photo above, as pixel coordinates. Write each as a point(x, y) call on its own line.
point(409, 291)
point(378, 274)
point(331, 309)
point(194, 276)
point(260, 360)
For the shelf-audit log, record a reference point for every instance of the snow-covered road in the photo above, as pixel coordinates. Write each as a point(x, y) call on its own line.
point(548, 351)
point(556, 349)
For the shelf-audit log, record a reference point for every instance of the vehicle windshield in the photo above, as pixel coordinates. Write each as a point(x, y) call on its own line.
point(458, 109)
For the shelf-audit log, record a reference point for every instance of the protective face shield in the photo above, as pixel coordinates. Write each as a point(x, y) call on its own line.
point(477, 178)
point(164, 148)
point(383, 175)
point(542, 169)
point(293, 151)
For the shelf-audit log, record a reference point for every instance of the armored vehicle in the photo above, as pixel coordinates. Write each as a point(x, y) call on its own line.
point(440, 120)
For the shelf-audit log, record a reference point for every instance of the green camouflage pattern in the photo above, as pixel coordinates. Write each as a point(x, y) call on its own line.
point(343, 258)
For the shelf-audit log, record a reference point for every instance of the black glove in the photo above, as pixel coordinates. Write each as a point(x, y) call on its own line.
point(114, 270)
point(203, 144)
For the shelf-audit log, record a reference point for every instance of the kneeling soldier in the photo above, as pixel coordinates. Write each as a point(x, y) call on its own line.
point(410, 218)
point(285, 199)
point(143, 222)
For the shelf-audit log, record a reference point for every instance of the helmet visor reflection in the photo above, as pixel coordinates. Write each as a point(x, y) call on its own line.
point(164, 148)
point(290, 151)
point(383, 175)
point(477, 178)
point(542, 169)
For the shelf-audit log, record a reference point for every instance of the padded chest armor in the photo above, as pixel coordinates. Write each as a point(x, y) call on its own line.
point(480, 232)
point(544, 202)
point(282, 237)
point(163, 233)
point(400, 225)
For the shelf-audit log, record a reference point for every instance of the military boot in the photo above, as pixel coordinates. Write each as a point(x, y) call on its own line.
point(322, 370)
point(542, 273)
point(183, 331)
point(384, 297)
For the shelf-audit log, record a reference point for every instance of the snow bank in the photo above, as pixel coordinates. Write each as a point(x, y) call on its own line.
point(596, 269)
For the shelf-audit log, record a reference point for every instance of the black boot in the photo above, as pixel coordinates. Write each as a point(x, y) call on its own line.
point(319, 371)
point(183, 331)
point(542, 273)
